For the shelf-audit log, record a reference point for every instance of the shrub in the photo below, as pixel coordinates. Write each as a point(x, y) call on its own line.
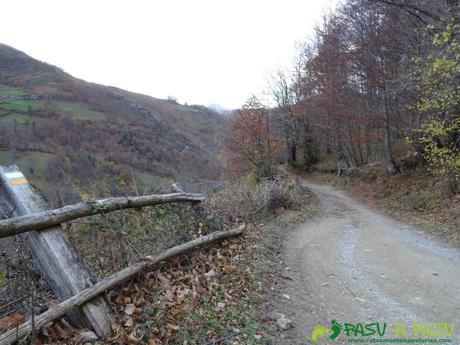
point(245, 201)
point(443, 159)
point(440, 133)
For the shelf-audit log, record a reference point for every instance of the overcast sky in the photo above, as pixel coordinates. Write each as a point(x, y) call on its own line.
point(202, 51)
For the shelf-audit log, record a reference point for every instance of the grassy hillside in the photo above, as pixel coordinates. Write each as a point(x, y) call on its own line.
point(70, 136)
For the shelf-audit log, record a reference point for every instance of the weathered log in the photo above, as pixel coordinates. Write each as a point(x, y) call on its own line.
point(107, 283)
point(177, 188)
point(53, 254)
point(46, 219)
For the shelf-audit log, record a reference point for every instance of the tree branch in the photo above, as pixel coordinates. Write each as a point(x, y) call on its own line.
point(47, 219)
point(408, 7)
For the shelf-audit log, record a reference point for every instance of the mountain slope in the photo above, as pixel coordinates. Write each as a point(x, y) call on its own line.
point(68, 134)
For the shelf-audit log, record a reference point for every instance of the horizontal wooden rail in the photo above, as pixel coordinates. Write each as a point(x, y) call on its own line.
point(47, 219)
point(86, 295)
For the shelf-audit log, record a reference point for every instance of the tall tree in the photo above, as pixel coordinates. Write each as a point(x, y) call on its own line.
point(251, 142)
point(283, 97)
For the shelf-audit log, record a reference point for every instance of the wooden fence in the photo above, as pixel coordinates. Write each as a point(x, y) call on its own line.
point(71, 282)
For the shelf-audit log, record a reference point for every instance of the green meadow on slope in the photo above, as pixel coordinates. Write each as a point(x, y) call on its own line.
point(69, 136)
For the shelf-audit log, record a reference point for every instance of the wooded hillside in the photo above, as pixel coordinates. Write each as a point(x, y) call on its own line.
point(66, 133)
point(378, 82)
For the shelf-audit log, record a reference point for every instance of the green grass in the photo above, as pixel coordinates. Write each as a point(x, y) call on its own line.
point(80, 111)
point(224, 323)
point(6, 90)
point(145, 180)
point(20, 119)
point(32, 164)
point(20, 104)
point(25, 160)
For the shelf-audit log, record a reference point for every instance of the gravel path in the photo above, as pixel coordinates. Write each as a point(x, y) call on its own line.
point(352, 264)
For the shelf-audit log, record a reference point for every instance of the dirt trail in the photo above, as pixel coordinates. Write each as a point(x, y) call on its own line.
point(353, 264)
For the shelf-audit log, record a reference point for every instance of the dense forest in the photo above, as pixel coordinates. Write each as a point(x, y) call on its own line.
point(378, 82)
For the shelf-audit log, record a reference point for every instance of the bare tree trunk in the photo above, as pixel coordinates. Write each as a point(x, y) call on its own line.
point(293, 154)
point(391, 165)
point(269, 173)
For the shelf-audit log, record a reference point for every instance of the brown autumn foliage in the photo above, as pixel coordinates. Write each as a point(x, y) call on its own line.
point(353, 93)
point(89, 132)
point(251, 143)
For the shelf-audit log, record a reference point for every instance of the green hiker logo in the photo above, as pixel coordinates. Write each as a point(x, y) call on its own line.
point(319, 331)
point(336, 328)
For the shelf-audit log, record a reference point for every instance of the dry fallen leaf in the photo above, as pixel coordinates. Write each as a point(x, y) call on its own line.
point(129, 309)
point(129, 323)
point(58, 331)
point(173, 327)
point(11, 321)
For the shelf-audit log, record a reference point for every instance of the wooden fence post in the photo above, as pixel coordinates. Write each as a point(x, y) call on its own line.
point(53, 254)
